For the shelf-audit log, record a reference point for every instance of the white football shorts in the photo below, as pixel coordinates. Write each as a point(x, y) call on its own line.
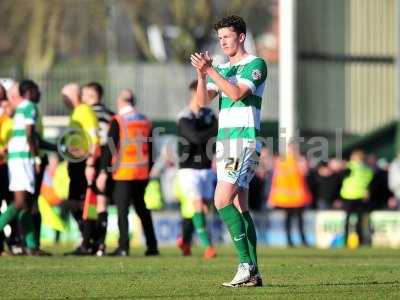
point(22, 175)
point(197, 183)
point(237, 167)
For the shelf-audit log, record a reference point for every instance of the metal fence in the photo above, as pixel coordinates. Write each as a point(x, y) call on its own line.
point(347, 70)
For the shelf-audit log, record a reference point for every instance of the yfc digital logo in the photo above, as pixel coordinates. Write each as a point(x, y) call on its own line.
point(74, 145)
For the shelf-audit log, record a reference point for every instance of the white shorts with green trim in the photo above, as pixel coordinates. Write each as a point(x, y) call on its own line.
point(237, 166)
point(22, 175)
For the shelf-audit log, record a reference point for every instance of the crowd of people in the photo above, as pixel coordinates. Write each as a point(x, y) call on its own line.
point(107, 158)
point(94, 169)
point(325, 181)
point(292, 183)
point(110, 160)
point(358, 186)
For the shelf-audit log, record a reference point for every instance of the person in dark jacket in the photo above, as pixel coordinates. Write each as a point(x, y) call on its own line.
point(326, 186)
point(196, 128)
point(379, 192)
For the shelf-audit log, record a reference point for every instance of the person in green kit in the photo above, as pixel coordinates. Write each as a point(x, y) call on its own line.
point(22, 162)
point(239, 83)
point(30, 90)
point(5, 132)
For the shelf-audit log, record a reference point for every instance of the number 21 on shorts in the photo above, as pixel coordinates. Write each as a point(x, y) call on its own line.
point(232, 164)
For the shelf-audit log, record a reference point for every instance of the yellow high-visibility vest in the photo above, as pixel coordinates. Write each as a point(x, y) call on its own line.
point(355, 186)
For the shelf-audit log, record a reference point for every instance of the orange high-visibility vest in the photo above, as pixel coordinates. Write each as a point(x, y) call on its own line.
point(289, 188)
point(47, 190)
point(131, 162)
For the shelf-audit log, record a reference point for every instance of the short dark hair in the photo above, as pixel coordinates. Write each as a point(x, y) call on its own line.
point(236, 22)
point(3, 92)
point(131, 100)
point(97, 87)
point(27, 85)
point(193, 85)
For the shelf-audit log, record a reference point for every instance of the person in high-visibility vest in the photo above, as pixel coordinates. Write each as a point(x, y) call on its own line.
point(5, 131)
point(289, 192)
point(187, 212)
point(80, 149)
point(49, 197)
point(130, 165)
point(355, 191)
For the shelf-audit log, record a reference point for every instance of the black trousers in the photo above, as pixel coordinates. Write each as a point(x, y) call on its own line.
point(78, 183)
point(187, 230)
point(132, 192)
point(5, 194)
point(354, 207)
point(77, 192)
point(292, 213)
point(36, 216)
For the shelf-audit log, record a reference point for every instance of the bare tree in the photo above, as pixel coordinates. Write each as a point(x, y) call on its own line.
point(38, 33)
point(42, 35)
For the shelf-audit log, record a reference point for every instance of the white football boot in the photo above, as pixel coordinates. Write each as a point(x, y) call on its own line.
point(242, 276)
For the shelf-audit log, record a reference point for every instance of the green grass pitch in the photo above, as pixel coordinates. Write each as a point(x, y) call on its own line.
point(288, 273)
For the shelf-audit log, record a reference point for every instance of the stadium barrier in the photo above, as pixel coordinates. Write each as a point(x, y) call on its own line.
point(324, 229)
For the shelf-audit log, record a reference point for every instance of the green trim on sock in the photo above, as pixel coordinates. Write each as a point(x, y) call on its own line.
point(28, 229)
point(7, 216)
point(199, 222)
point(236, 227)
point(251, 237)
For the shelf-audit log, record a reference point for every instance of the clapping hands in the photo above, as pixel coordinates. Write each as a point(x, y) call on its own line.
point(201, 61)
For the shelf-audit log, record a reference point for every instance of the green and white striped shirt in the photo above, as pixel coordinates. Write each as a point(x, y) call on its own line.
point(18, 146)
point(240, 120)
